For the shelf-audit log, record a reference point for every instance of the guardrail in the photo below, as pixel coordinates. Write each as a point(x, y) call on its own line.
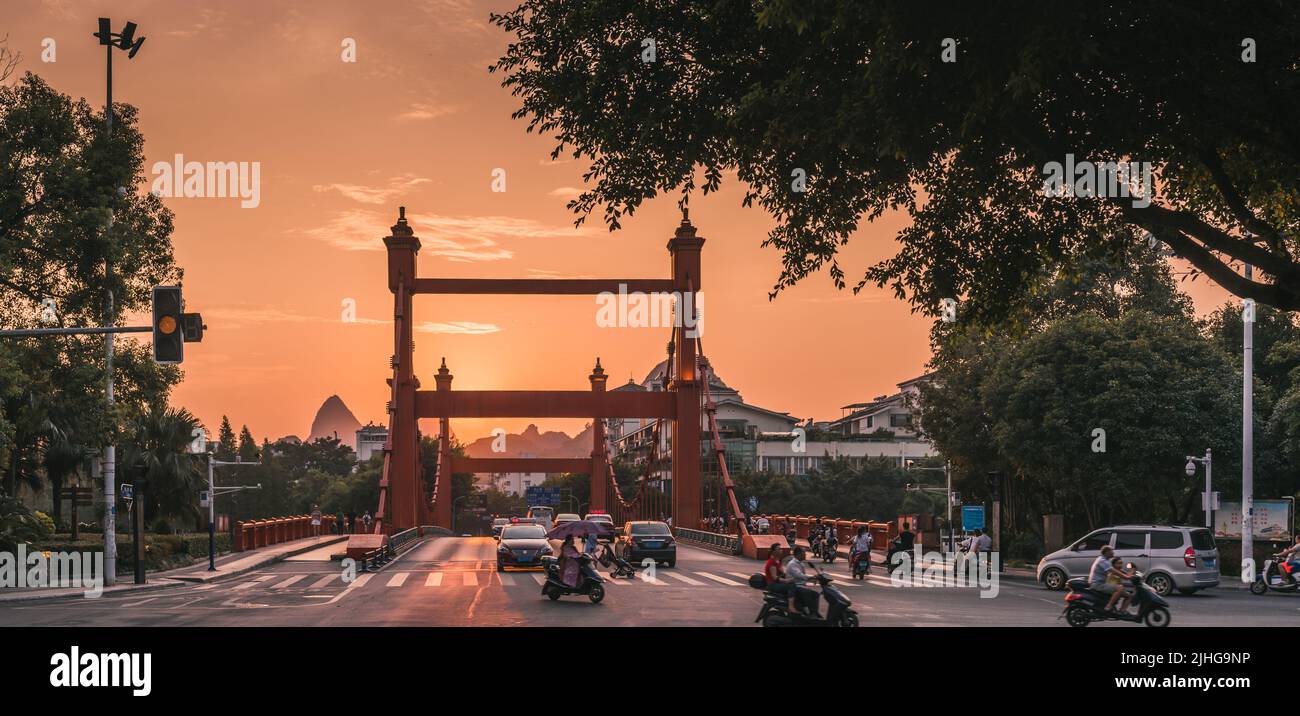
point(376, 558)
point(403, 537)
point(729, 544)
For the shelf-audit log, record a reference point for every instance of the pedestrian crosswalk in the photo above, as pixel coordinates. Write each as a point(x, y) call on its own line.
point(473, 578)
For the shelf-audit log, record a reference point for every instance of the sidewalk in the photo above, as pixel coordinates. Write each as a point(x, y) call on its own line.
point(227, 566)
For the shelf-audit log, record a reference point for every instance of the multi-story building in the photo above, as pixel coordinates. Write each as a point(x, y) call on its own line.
point(370, 440)
point(757, 438)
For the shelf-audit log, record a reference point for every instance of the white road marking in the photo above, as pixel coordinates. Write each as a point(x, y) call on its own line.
point(718, 579)
point(202, 587)
point(471, 579)
point(324, 581)
point(539, 578)
point(360, 581)
point(142, 601)
point(264, 577)
point(289, 581)
point(507, 580)
point(434, 579)
point(246, 585)
point(684, 578)
point(398, 579)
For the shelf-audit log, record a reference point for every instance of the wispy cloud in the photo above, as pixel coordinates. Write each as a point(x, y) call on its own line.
point(209, 21)
point(397, 186)
point(420, 111)
point(233, 316)
point(565, 191)
point(455, 238)
point(459, 327)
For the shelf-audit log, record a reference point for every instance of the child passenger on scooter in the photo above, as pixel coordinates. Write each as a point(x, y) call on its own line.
point(1121, 594)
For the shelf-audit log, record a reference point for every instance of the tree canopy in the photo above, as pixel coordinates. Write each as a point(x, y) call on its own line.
point(858, 98)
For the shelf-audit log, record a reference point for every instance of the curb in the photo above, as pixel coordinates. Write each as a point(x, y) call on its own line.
point(37, 595)
point(199, 579)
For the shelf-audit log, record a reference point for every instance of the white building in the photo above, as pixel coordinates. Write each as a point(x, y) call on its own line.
point(512, 483)
point(370, 440)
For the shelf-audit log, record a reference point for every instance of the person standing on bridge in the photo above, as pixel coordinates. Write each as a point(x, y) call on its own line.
point(366, 519)
point(315, 520)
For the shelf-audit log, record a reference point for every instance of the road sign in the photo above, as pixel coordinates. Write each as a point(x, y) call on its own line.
point(1214, 505)
point(972, 517)
point(538, 495)
point(128, 491)
point(204, 498)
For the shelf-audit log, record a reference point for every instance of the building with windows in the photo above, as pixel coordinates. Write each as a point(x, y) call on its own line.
point(512, 483)
point(370, 440)
point(758, 439)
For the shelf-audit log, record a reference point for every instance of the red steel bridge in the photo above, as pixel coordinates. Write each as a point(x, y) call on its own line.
point(683, 406)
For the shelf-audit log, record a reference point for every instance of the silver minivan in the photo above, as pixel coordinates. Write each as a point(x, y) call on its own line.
point(1171, 557)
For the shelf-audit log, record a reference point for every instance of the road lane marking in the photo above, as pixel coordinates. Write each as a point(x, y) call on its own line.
point(434, 579)
point(246, 585)
point(323, 581)
point(718, 579)
point(289, 581)
point(539, 579)
point(684, 578)
point(142, 601)
point(264, 577)
point(471, 579)
point(507, 580)
point(360, 581)
point(202, 587)
point(398, 579)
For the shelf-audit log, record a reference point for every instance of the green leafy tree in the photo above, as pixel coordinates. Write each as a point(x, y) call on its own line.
point(1155, 386)
point(156, 451)
point(833, 112)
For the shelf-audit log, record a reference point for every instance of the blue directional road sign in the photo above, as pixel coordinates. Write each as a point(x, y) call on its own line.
point(538, 495)
point(972, 517)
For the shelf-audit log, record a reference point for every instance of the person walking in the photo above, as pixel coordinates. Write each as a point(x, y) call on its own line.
point(366, 519)
point(315, 520)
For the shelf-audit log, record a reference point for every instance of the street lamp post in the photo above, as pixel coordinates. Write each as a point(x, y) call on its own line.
point(1192, 461)
point(124, 40)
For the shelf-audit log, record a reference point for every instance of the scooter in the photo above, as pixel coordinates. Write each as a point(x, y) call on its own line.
point(830, 550)
point(591, 584)
point(775, 611)
point(1274, 577)
point(861, 565)
point(1084, 606)
point(621, 567)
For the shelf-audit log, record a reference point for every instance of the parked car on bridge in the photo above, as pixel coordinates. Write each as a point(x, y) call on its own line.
point(647, 540)
point(522, 545)
point(1171, 557)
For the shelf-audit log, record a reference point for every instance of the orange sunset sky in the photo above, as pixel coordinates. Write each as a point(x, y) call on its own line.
point(418, 121)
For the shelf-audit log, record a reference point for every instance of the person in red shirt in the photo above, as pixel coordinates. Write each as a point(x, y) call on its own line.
point(773, 572)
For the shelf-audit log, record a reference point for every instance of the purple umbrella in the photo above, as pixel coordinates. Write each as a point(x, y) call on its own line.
point(580, 528)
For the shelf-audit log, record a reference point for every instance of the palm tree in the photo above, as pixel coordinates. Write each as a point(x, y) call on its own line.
point(156, 452)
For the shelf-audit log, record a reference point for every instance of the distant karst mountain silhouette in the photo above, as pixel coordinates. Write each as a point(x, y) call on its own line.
point(536, 443)
point(335, 418)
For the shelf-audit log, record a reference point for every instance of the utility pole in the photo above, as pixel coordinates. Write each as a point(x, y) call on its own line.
point(1247, 436)
point(213, 491)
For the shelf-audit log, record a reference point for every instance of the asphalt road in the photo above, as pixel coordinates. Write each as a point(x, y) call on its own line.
point(454, 582)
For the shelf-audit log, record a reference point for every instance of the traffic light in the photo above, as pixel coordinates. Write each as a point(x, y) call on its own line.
point(168, 339)
point(192, 327)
